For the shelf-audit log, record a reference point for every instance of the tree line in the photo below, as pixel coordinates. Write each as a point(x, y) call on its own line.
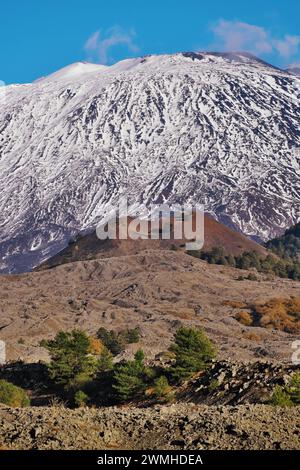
point(282, 267)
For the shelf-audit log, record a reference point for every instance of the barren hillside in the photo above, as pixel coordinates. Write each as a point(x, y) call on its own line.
point(157, 290)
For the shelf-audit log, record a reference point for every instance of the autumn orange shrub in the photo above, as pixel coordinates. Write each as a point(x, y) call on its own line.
point(245, 318)
point(277, 313)
point(96, 346)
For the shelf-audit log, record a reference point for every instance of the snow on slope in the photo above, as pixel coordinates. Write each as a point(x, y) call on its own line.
point(73, 71)
point(294, 69)
point(223, 129)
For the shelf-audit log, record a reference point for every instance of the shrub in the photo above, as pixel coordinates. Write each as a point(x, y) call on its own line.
point(234, 304)
point(244, 317)
point(252, 277)
point(279, 397)
point(293, 388)
point(213, 385)
point(193, 352)
point(13, 396)
point(162, 388)
point(288, 395)
point(80, 398)
point(132, 335)
point(252, 336)
point(278, 313)
point(111, 341)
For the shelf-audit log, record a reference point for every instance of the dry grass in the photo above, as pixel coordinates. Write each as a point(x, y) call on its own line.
point(234, 304)
point(252, 336)
point(57, 403)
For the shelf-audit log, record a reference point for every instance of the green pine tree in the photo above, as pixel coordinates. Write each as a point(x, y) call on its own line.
point(70, 358)
point(129, 378)
point(193, 352)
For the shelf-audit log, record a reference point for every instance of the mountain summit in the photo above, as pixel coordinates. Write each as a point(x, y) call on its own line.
point(217, 128)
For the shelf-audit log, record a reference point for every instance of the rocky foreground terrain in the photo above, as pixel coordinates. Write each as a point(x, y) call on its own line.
point(180, 426)
point(222, 408)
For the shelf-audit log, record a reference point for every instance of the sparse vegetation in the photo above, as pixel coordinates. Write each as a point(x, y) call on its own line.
point(13, 396)
point(289, 395)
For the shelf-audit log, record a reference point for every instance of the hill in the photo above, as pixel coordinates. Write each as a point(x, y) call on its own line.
point(88, 246)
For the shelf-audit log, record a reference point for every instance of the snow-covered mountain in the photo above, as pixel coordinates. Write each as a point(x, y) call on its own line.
point(221, 129)
point(295, 69)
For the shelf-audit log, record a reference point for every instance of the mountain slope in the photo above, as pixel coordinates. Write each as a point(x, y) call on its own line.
point(156, 290)
point(222, 129)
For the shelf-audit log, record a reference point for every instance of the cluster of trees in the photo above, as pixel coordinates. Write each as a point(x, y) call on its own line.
point(282, 267)
point(287, 395)
point(116, 342)
point(288, 245)
point(84, 372)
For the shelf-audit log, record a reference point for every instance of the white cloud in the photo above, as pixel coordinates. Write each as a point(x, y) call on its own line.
point(99, 45)
point(288, 46)
point(92, 42)
point(236, 36)
point(239, 36)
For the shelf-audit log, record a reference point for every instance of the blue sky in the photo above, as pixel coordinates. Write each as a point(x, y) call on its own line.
point(41, 36)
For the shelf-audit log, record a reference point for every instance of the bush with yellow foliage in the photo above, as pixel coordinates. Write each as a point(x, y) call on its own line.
point(278, 313)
